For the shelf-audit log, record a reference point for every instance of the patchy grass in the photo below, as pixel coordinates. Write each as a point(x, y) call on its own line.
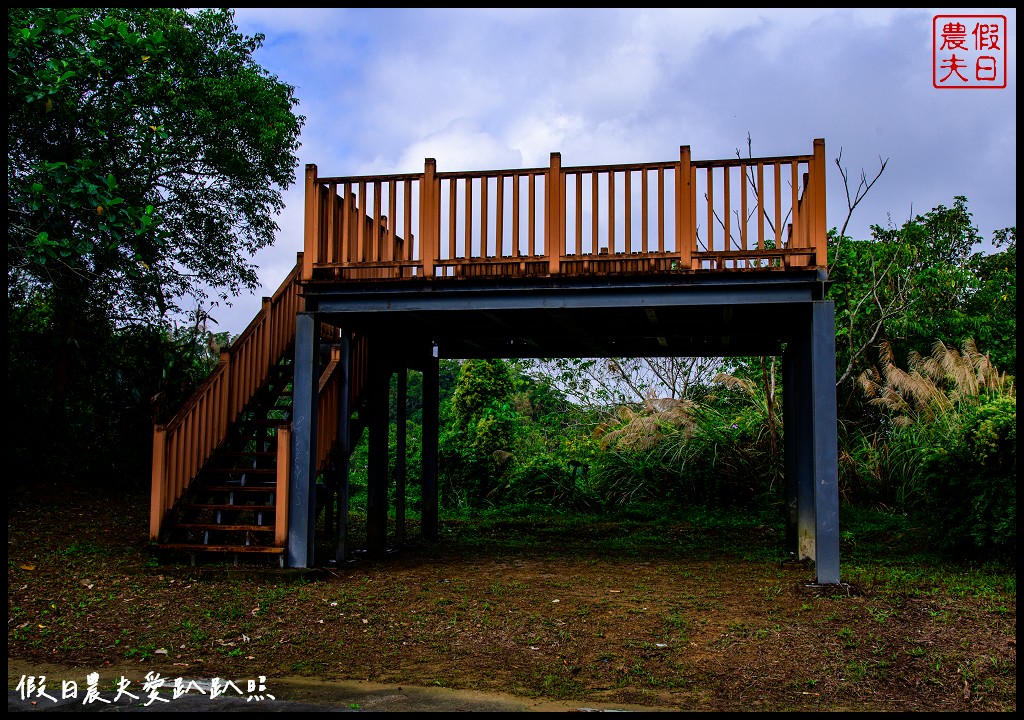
point(697, 611)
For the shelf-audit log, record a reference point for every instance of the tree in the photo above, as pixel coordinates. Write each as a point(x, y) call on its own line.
point(606, 383)
point(476, 443)
point(908, 286)
point(147, 156)
point(993, 306)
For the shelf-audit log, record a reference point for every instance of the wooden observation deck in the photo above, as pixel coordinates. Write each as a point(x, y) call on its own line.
point(677, 258)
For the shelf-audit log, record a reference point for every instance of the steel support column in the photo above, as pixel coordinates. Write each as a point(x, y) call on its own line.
point(302, 487)
point(803, 443)
point(377, 472)
point(344, 444)
point(402, 384)
point(790, 439)
point(825, 441)
point(431, 402)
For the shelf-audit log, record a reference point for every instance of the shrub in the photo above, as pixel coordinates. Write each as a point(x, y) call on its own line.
point(972, 482)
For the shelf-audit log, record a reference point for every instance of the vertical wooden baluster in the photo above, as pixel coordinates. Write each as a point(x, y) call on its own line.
point(392, 219)
point(362, 255)
point(469, 217)
point(561, 212)
point(711, 209)
point(407, 217)
point(453, 218)
point(484, 229)
point(579, 213)
point(516, 248)
point(611, 212)
point(643, 211)
point(661, 210)
point(532, 215)
point(778, 205)
point(627, 212)
point(760, 207)
point(499, 217)
point(743, 211)
point(727, 210)
point(795, 186)
point(332, 219)
point(377, 253)
point(345, 251)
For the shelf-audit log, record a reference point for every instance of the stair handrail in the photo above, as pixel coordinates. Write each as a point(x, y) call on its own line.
point(328, 397)
point(185, 443)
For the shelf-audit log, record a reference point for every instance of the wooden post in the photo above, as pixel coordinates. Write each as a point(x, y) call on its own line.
point(267, 351)
point(554, 215)
point(284, 464)
point(311, 231)
point(819, 228)
point(158, 492)
point(428, 217)
point(224, 421)
point(685, 208)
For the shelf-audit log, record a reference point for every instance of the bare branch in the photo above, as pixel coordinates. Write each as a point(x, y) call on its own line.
point(863, 187)
point(885, 312)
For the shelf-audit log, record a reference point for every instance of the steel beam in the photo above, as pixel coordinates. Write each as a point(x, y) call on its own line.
point(596, 298)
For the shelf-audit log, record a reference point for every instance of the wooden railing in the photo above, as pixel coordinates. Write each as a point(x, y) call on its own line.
point(678, 216)
point(328, 397)
point(183, 445)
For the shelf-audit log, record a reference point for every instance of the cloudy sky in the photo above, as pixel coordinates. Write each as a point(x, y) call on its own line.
point(382, 89)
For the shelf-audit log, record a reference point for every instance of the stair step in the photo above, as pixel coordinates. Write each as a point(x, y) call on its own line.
point(217, 526)
point(245, 470)
point(238, 488)
point(188, 547)
point(218, 495)
point(247, 453)
point(237, 508)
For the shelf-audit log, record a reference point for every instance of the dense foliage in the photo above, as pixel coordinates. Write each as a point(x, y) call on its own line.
point(927, 425)
point(147, 154)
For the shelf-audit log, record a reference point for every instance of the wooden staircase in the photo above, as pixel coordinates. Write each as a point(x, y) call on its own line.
point(222, 465)
point(230, 508)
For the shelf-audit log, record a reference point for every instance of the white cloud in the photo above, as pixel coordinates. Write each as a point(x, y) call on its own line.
point(462, 145)
point(492, 88)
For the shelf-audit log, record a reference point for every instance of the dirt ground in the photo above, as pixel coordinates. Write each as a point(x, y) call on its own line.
point(552, 617)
